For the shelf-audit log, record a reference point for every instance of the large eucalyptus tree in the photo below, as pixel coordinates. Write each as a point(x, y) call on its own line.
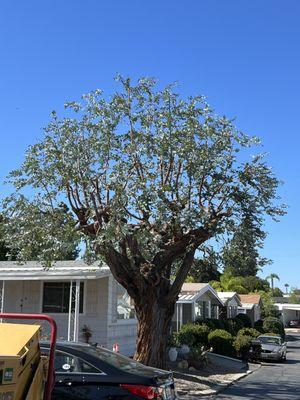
point(144, 178)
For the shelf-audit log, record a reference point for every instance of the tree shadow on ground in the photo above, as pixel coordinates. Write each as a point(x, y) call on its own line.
point(261, 391)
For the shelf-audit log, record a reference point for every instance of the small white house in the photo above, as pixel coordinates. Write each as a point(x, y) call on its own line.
point(76, 295)
point(231, 303)
point(251, 305)
point(196, 301)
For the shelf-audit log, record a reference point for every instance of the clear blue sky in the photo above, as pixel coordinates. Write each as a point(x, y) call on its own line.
point(243, 55)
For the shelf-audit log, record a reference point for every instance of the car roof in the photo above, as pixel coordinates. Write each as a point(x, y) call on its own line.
point(270, 336)
point(143, 374)
point(65, 343)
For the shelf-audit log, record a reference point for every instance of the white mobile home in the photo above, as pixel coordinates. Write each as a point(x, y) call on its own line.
point(251, 306)
point(231, 303)
point(196, 301)
point(77, 295)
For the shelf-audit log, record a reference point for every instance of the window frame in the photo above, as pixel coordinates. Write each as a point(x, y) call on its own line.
point(62, 281)
point(101, 373)
point(112, 306)
point(200, 305)
point(130, 306)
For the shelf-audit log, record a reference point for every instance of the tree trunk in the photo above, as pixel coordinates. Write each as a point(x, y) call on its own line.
point(154, 325)
point(149, 286)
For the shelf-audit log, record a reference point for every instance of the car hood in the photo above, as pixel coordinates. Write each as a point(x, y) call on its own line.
point(270, 347)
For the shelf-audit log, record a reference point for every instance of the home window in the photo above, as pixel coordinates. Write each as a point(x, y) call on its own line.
point(125, 306)
point(56, 297)
point(214, 311)
point(199, 309)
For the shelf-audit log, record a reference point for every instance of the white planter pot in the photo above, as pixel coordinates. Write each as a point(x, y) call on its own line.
point(173, 354)
point(184, 349)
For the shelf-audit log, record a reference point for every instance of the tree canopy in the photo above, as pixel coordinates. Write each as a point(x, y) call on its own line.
point(240, 284)
point(241, 254)
point(272, 277)
point(3, 251)
point(3, 247)
point(26, 249)
point(207, 267)
point(144, 177)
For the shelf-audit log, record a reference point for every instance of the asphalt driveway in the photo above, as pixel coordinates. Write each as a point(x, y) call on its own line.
point(271, 381)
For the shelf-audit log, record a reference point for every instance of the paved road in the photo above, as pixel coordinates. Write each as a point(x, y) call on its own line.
point(271, 381)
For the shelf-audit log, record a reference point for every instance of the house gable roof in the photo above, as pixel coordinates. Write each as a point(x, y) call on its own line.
point(193, 287)
point(191, 292)
point(254, 299)
point(227, 296)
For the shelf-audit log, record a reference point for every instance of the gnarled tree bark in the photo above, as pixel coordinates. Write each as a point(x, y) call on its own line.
point(154, 295)
point(154, 324)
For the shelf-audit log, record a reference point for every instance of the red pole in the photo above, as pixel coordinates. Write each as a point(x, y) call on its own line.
point(50, 378)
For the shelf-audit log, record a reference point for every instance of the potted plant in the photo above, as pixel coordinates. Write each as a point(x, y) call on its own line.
point(173, 343)
point(196, 358)
point(86, 333)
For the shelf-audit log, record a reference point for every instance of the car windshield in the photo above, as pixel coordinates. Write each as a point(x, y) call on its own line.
point(270, 340)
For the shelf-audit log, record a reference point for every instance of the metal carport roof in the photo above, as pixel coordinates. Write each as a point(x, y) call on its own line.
point(61, 270)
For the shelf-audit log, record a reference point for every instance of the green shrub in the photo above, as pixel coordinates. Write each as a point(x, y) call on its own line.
point(258, 325)
point(173, 340)
point(230, 325)
point(255, 350)
point(212, 323)
point(244, 319)
point(222, 342)
point(238, 323)
point(242, 344)
point(271, 334)
point(247, 347)
point(233, 326)
point(196, 358)
point(251, 332)
point(274, 325)
point(194, 335)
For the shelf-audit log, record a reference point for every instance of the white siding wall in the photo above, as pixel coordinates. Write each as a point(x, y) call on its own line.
point(232, 308)
point(99, 312)
point(122, 332)
point(29, 294)
point(22, 296)
point(256, 313)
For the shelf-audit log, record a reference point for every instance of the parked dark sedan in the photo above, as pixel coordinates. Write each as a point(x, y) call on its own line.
point(85, 372)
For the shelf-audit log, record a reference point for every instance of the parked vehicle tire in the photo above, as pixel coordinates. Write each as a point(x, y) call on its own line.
point(282, 358)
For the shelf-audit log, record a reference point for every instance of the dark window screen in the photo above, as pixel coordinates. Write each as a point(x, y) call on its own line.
point(56, 297)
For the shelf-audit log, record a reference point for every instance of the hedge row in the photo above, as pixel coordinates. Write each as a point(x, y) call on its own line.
point(222, 342)
point(231, 325)
point(194, 335)
point(227, 337)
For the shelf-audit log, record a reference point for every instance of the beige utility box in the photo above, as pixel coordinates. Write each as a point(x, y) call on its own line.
point(19, 352)
point(19, 390)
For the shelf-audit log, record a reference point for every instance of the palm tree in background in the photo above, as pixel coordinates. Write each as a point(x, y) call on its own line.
point(272, 277)
point(286, 285)
point(229, 283)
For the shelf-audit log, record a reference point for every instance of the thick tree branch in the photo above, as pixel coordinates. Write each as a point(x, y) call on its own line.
point(181, 274)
